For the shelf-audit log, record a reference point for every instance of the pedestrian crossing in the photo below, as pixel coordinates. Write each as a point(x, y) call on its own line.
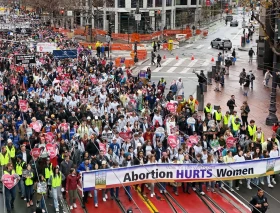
point(192, 46)
point(183, 66)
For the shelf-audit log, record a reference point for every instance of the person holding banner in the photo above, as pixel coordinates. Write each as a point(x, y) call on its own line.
point(10, 193)
point(28, 183)
point(128, 162)
point(198, 159)
point(163, 159)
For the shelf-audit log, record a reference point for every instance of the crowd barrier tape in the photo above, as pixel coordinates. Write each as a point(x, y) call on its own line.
point(152, 173)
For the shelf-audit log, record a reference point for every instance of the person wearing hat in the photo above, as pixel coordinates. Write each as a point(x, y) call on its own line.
point(10, 194)
point(20, 166)
point(115, 146)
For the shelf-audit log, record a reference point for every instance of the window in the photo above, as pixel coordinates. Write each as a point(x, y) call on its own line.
point(181, 2)
point(193, 2)
point(121, 3)
point(135, 2)
point(168, 3)
point(158, 3)
point(150, 3)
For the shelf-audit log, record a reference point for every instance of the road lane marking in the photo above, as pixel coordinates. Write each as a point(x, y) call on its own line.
point(199, 46)
point(237, 34)
point(163, 64)
point(175, 66)
point(188, 45)
point(209, 47)
point(206, 63)
point(189, 66)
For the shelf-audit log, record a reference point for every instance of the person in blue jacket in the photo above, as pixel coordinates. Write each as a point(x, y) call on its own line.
point(85, 166)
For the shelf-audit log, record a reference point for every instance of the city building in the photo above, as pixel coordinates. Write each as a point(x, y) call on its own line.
point(155, 14)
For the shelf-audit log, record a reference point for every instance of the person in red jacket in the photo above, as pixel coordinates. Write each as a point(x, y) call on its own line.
point(275, 127)
point(71, 187)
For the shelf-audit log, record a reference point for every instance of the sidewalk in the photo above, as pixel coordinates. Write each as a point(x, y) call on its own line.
point(258, 99)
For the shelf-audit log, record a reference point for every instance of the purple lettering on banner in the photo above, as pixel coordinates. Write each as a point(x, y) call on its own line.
point(195, 173)
point(180, 174)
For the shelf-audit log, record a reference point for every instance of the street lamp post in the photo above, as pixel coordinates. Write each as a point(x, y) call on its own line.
point(223, 52)
point(272, 118)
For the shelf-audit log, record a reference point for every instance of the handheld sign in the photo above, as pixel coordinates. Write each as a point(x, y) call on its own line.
point(51, 149)
point(230, 142)
point(35, 152)
point(173, 141)
point(9, 181)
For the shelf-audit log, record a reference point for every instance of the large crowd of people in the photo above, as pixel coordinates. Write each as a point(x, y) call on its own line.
point(99, 116)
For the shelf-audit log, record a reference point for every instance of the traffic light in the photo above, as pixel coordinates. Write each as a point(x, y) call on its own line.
point(61, 12)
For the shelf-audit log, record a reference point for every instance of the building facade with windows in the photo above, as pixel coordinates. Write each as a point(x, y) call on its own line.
point(155, 15)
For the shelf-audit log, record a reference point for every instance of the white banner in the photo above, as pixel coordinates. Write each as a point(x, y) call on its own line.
point(109, 178)
point(46, 47)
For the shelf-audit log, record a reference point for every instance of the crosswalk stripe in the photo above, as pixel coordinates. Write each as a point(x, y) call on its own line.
point(209, 47)
point(189, 66)
point(199, 46)
point(163, 64)
point(206, 62)
point(175, 66)
point(188, 45)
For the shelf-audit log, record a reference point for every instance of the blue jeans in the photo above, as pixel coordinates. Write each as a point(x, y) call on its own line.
point(95, 198)
point(162, 186)
point(212, 184)
point(21, 187)
point(10, 196)
point(56, 193)
point(42, 202)
point(28, 193)
point(199, 186)
point(127, 190)
point(114, 192)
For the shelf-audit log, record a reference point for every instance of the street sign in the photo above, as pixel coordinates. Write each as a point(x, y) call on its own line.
point(108, 38)
point(137, 17)
point(152, 13)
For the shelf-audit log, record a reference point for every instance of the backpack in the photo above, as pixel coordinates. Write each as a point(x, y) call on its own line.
point(253, 77)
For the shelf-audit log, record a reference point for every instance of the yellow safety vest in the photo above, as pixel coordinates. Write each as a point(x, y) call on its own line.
point(252, 130)
point(208, 109)
point(255, 137)
point(4, 160)
point(192, 104)
point(218, 116)
point(48, 172)
point(19, 167)
point(29, 181)
point(56, 181)
point(226, 120)
point(235, 126)
point(13, 172)
point(12, 151)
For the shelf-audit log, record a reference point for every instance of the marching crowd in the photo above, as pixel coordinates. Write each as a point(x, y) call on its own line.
point(98, 116)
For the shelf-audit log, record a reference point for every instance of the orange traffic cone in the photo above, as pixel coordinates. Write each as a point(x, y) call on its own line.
point(192, 57)
point(212, 59)
point(164, 57)
point(177, 57)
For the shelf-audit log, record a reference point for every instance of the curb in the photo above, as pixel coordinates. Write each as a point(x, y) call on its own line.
point(140, 63)
point(243, 48)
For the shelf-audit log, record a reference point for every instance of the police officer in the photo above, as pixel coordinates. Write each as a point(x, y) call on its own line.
point(259, 202)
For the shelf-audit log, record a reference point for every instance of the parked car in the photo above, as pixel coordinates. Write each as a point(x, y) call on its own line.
point(234, 23)
point(220, 43)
